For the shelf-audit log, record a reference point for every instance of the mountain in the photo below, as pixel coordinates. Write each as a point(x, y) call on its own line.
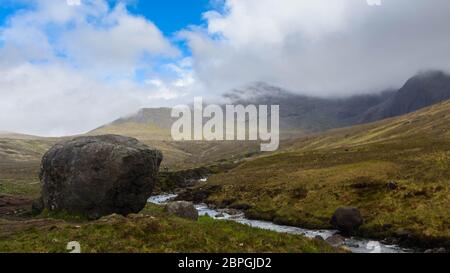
point(420, 91)
point(152, 126)
point(146, 124)
point(395, 171)
point(301, 115)
point(4, 134)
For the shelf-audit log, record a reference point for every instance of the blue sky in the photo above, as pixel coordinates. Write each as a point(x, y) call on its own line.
point(8, 8)
point(67, 68)
point(169, 15)
point(127, 51)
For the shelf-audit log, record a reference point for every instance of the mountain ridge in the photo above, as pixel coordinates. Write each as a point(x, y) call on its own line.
point(302, 115)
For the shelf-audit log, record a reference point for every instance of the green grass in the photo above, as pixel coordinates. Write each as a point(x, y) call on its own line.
point(152, 231)
point(302, 185)
point(306, 182)
point(304, 189)
point(20, 179)
point(62, 215)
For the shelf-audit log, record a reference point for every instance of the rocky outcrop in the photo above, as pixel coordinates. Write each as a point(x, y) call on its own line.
point(347, 220)
point(99, 175)
point(183, 209)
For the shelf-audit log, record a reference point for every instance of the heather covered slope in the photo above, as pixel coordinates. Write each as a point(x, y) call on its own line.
point(397, 172)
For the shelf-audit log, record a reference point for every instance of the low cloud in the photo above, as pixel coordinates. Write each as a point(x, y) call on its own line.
point(67, 69)
point(321, 47)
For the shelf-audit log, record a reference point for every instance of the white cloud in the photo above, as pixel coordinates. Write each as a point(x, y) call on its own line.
point(320, 47)
point(117, 41)
point(67, 69)
point(74, 2)
point(56, 100)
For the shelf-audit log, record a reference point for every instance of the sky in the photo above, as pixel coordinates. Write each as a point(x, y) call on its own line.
point(69, 66)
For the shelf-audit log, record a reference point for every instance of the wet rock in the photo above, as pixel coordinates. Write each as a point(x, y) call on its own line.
point(99, 175)
point(183, 209)
point(336, 240)
point(320, 238)
point(353, 245)
point(347, 220)
point(220, 215)
point(232, 211)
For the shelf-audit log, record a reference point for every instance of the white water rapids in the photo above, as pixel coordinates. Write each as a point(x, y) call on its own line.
point(356, 245)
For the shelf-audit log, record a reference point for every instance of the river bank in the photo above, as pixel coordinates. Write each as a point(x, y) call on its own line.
point(356, 245)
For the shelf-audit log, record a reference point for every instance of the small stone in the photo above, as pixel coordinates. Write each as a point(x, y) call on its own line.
point(183, 209)
point(320, 238)
point(220, 215)
point(336, 240)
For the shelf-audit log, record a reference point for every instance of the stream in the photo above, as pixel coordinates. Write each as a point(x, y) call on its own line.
point(356, 245)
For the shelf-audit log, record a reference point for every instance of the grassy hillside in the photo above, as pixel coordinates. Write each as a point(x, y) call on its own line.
point(150, 231)
point(19, 165)
point(177, 154)
point(23, 150)
point(397, 172)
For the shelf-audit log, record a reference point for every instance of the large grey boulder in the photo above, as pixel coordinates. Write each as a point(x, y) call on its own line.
point(99, 175)
point(183, 209)
point(347, 220)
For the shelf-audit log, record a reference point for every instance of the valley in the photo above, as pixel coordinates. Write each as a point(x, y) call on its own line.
point(395, 171)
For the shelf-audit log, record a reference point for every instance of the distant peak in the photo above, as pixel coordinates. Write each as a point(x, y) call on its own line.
point(256, 91)
point(431, 74)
